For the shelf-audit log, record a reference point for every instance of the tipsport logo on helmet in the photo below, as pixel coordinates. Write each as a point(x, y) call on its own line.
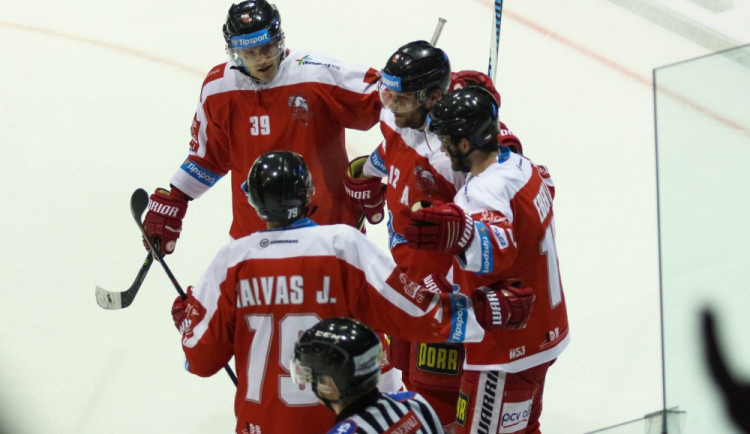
point(391, 82)
point(251, 39)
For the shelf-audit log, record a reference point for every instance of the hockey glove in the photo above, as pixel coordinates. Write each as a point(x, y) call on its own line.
point(367, 195)
point(507, 138)
point(473, 78)
point(504, 305)
point(439, 226)
point(179, 310)
point(163, 222)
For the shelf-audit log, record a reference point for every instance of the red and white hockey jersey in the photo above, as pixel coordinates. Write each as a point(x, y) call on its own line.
point(415, 169)
point(304, 109)
point(262, 291)
point(511, 205)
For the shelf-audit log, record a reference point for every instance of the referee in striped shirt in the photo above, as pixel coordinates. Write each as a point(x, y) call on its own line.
point(340, 358)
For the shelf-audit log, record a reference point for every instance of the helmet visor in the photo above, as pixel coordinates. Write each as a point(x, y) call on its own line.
point(394, 98)
point(255, 49)
point(301, 375)
point(400, 102)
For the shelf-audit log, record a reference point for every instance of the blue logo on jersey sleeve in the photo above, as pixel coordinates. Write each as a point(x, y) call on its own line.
point(459, 318)
point(378, 163)
point(344, 427)
point(485, 248)
point(204, 176)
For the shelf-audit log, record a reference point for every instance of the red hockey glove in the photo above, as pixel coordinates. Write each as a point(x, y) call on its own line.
point(367, 195)
point(179, 310)
point(507, 138)
point(163, 222)
point(505, 305)
point(439, 226)
point(473, 78)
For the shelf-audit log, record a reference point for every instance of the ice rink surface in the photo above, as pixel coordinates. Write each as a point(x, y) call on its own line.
point(96, 100)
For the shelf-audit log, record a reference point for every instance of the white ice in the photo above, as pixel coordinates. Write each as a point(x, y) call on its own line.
point(96, 100)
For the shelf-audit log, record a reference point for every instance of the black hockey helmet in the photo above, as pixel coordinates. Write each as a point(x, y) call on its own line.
point(252, 16)
point(279, 186)
point(417, 66)
point(251, 24)
point(469, 112)
point(342, 348)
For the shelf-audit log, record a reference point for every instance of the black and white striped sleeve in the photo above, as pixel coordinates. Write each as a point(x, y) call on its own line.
point(404, 412)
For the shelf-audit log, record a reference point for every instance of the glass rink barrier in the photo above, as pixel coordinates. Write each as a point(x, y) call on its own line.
point(702, 123)
point(702, 115)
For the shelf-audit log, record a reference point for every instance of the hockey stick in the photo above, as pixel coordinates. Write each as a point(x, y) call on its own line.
point(495, 40)
point(120, 300)
point(138, 204)
point(438, 30)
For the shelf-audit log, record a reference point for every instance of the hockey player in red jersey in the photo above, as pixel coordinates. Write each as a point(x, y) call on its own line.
point(262, 290)
point(499, 225)
point(264, 96)
point(414, 78)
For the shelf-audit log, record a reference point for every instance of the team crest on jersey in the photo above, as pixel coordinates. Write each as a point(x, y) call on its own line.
point(300, 109)
point(411, 288)
point(425, 180)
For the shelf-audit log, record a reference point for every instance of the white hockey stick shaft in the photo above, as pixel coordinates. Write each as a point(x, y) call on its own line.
point(438, 30)
point(495, 39)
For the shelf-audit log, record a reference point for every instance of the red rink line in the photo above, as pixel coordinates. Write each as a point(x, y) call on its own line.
point(98, 43)
point(622, 70)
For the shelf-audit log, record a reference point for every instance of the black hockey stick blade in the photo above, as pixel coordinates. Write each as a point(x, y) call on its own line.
point(120, 300)
point(138, 204)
